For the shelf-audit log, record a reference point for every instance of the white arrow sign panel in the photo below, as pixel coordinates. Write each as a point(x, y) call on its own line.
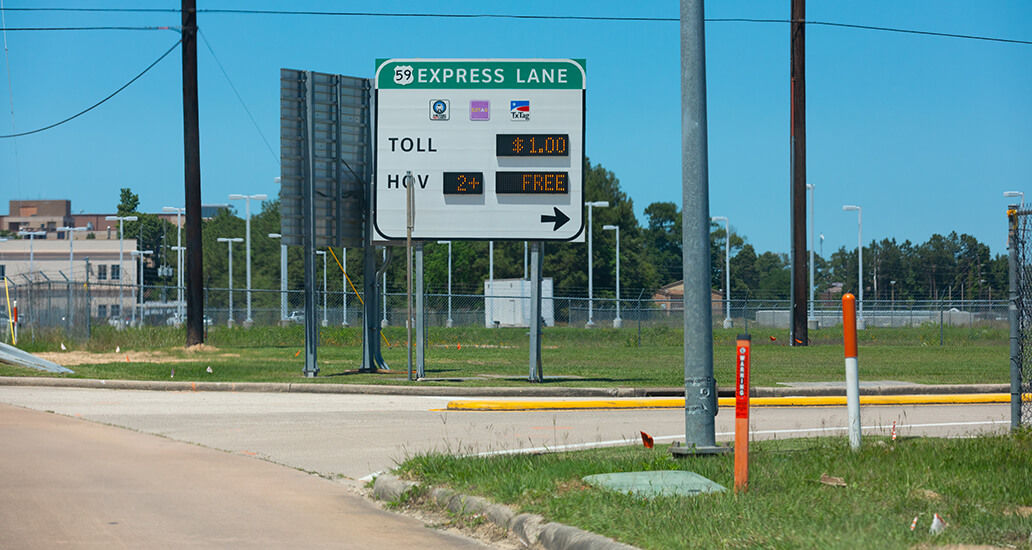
point(495, 148)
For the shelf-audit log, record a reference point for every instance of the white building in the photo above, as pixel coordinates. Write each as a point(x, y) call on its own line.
point(508, 303)
point(45, 263)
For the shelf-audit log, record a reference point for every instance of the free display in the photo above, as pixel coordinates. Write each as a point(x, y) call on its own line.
point(532, 145)
point(532, 183)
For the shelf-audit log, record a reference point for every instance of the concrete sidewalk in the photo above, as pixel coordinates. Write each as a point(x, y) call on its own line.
point(800, 389)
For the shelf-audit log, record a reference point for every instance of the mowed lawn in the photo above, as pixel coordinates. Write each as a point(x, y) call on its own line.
point(500, 357)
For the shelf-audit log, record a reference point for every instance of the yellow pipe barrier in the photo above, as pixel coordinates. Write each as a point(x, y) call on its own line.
point(678, 403)
point(10, 316)
point(360, 300)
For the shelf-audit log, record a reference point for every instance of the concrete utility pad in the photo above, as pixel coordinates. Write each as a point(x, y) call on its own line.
point(656, 483)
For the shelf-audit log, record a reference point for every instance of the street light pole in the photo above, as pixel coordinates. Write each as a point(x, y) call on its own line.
point(1016, 194)
point(283, 278)
point(727, 268)
point(616, 322)
point(860, 324)
point(322, 253)
point(141, 254)
point(71, 266)
point(229, 243)
point(591, 286)
point(121, 245)
point(450, 323)
point(179, 257)
point(32, 262)
point(247, 233)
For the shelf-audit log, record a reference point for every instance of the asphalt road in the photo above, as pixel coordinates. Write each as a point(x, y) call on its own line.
point(68, 483)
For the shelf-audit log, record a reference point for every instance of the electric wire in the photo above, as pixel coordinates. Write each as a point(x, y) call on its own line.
point(35, 29)
point(600, 18)
point(99, 103)
point(240, 99)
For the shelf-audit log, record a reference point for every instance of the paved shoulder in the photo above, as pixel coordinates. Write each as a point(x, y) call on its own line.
point(75, 484)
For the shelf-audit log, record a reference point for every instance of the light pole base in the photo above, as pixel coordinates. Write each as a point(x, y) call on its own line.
point(728, 323)
point(229, 322)
point(589, 324)
point(861, 324)
point(248, 323)
point(680, 450)
point(813, 324)
point(449, 324)
point(325, 323)
point(617, 323)
point(384, 323)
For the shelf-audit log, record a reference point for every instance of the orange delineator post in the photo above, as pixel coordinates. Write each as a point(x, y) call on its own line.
point(743, 348)
point(852, 369)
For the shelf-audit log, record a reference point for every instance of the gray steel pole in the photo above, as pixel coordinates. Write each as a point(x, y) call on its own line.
point(1013, 315)
point(420, 313)
point(283, 282)
point(536, 374)
point(699, 384)
point(490, 269)
point(344, 284)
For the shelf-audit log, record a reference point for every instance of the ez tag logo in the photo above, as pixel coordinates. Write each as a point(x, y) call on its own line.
point(403, 75)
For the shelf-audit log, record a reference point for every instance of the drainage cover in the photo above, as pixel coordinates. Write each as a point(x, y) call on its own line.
point(655, 483)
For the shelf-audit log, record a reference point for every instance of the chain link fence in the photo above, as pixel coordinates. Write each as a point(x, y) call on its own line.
point(77, 309)
point(1020, 239)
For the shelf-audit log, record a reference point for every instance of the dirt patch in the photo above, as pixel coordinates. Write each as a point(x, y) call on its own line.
point(201, 348)
point(72, 358)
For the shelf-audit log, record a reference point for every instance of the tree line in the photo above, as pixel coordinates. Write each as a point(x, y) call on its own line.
point(954, 266)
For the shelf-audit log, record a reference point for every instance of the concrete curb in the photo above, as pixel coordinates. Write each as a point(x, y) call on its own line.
point(530, 528)
point(455, 391)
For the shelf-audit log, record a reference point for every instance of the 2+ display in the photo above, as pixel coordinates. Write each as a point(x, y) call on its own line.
point(463, 183)
point(532, 145)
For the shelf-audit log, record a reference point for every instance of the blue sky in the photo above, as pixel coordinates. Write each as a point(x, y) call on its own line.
point(925, 133)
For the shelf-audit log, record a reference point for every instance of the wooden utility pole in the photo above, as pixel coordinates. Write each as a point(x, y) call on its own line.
point(192, 165)
point(798, 194)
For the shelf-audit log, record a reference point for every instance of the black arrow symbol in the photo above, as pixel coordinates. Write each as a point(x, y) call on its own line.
point(559, 218)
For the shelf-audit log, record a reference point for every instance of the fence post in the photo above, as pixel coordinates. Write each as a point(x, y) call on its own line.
point(1014, 303)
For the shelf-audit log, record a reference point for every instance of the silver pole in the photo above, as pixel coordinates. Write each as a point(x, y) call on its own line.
point(490, 303)
point(591, 260)
point(699, 384)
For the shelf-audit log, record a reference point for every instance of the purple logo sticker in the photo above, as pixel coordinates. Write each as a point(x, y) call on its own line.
point(480, 109)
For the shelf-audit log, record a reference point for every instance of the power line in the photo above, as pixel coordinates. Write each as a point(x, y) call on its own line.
point(36, 29)
point(97, 104)
point(248, 111)
point(509, 16)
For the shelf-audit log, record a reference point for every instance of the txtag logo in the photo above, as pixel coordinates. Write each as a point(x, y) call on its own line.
point(519, 109)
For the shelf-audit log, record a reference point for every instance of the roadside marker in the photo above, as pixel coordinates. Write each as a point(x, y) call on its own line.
point(852, 369)
point(743, 347)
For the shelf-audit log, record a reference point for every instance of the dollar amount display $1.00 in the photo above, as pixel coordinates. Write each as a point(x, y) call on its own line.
point(532, 145)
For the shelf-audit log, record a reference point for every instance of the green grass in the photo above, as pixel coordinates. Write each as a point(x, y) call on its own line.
point(599, 358)
point(976, 484)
